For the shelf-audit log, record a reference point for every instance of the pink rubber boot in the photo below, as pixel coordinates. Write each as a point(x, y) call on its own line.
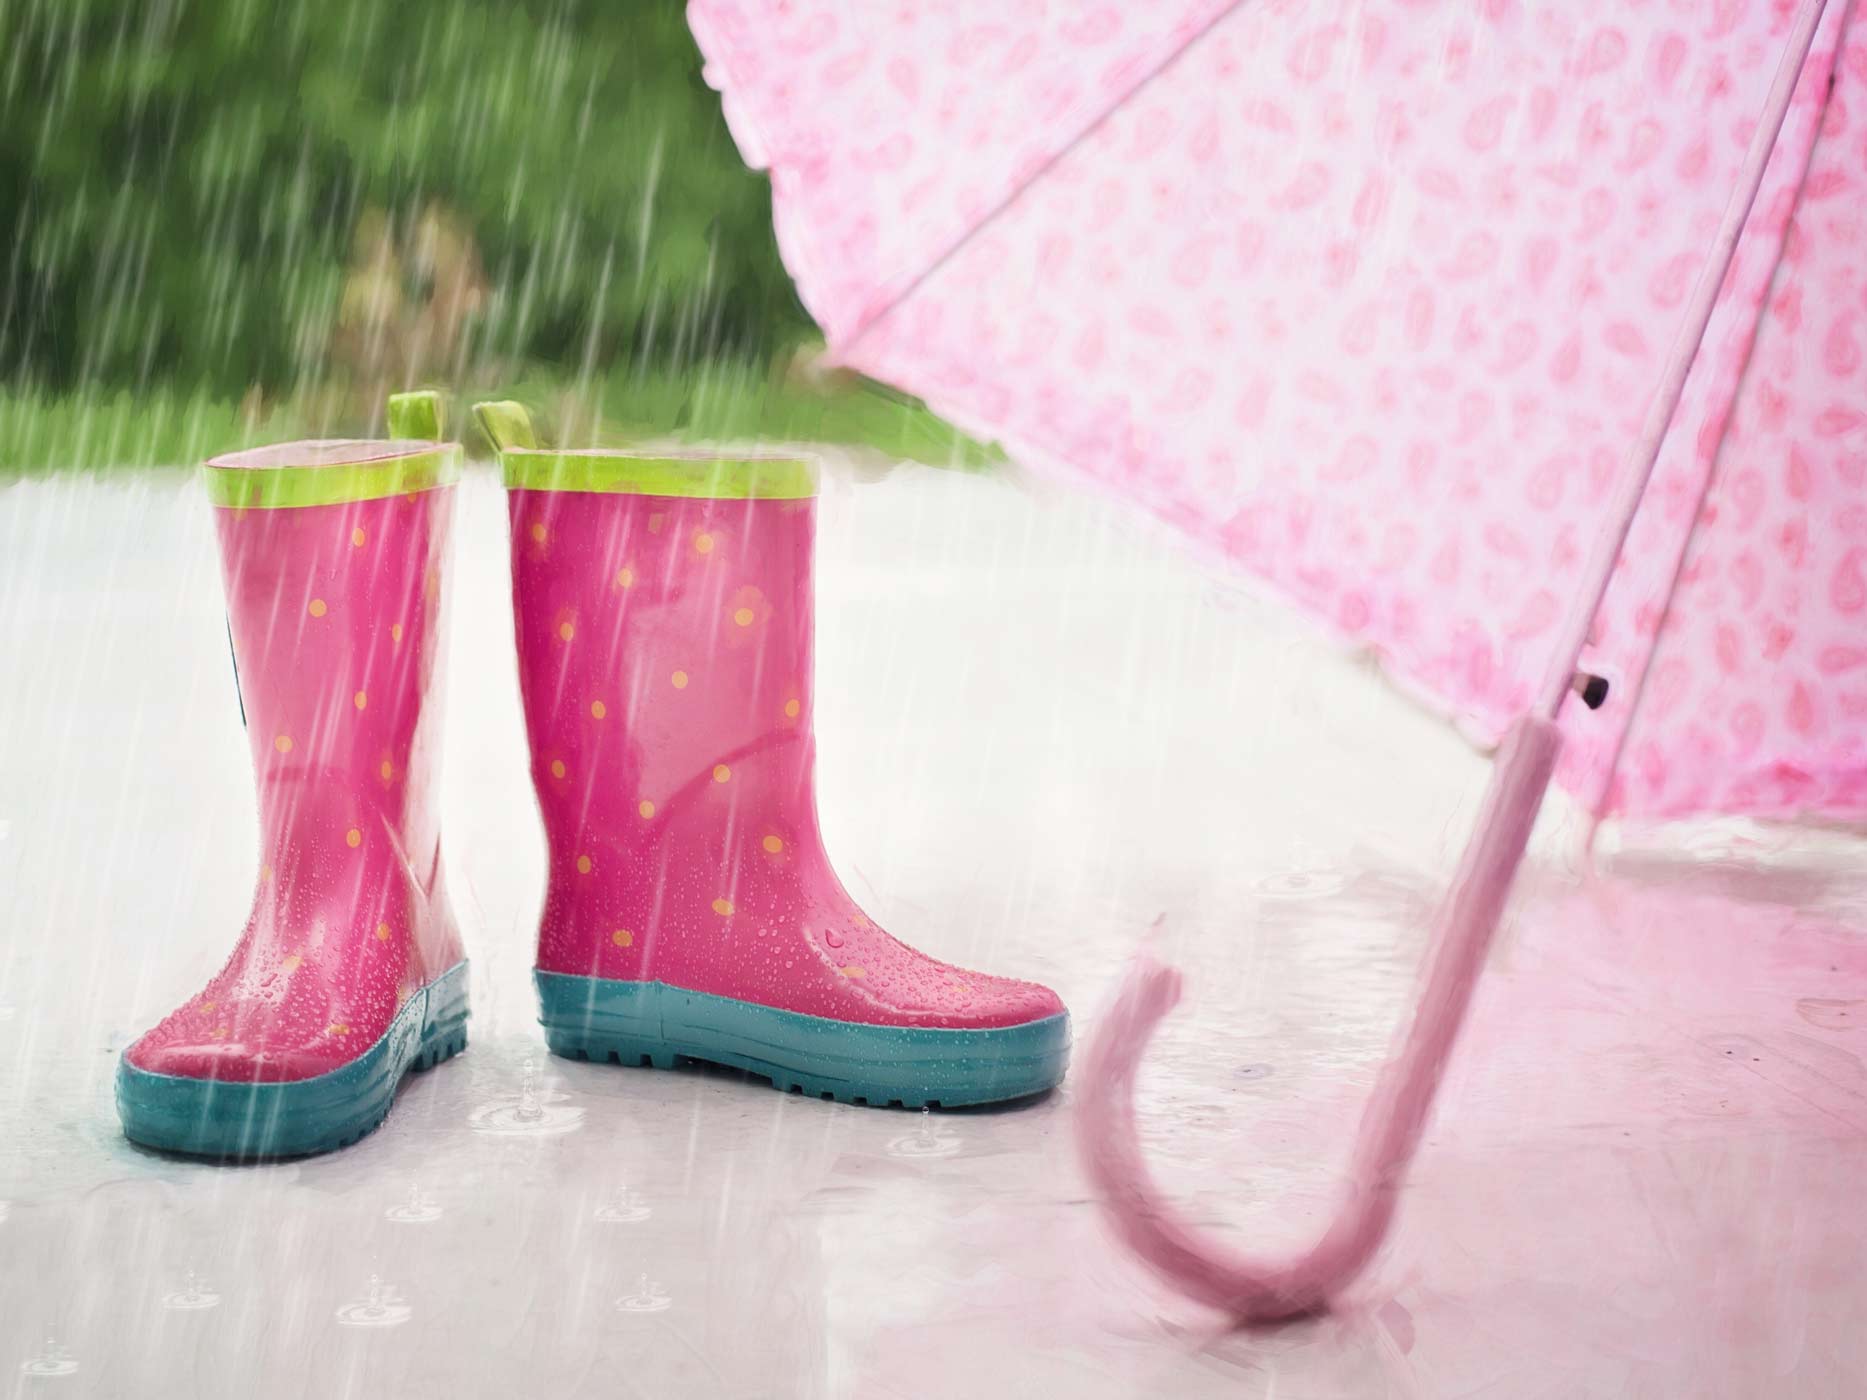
point(349, 971)
point(663, 609)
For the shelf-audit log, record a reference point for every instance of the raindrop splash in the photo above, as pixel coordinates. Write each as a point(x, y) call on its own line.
point(930, 1139)
point(625, 1207)
point(649, 1297)
point(533, 1112)
point(53, 1361)
point(1315, 883)
point(418, 1208)
point(381, 1307)
point(195, 1295)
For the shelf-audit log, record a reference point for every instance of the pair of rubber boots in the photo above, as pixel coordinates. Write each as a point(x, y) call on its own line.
point(663, 613)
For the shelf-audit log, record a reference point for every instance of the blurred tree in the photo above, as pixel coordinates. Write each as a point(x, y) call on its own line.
point(260, 194)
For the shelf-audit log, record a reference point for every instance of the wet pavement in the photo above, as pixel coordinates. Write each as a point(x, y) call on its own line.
point(1041, 730)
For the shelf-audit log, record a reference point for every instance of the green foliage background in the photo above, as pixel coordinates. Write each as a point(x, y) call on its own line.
point(181, 181)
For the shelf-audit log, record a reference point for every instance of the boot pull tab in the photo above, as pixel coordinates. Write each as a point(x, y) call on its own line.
point(506, 424)
point(418, 415)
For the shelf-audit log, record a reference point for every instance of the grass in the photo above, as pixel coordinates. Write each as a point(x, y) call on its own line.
point(723, 401)
point(97, 431)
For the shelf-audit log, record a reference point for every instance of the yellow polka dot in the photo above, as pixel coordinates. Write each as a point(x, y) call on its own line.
point(265, 872)
point(855, 972)
point(792, 709)
point(387, 770)
point(773, 844)
point(317, 608)
point(395, 633)
point(583, 865)
point(557, 767)
point(743, 617)
point(382, 932)
point(721, 772)
point(357, 537)
point(360, 699)
point(220, 1032)
point(538, 534)
point(337, 1028)
point(655, 522)
point(680, 680)
point(860, 920)
point(566, 631)
point(292, 963)
point(353, 837)
point(703, 542)
point(597, 710)
point(625, 577)
point(646, 808)
point(283, 743)
point(622, 938)
point(209, 1005)
point(722, 906)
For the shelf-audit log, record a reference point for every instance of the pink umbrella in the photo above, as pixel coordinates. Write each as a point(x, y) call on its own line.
point(1520, 344)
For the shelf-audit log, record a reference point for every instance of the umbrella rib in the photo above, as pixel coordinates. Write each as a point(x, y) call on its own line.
point(1638, 690)
point(1011, 196)
point(1684, 353)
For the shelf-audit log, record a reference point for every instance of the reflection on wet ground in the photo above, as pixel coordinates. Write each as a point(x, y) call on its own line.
point(1042, 735)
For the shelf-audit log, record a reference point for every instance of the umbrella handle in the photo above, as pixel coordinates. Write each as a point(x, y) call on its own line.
point(1259, 1291)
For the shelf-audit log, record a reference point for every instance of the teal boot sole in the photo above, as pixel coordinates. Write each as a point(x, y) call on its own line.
point(652, 1024)
point(232, 1121)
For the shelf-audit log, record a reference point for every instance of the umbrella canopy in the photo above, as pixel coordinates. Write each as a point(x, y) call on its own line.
point(1370, 300)
point(1511, 340)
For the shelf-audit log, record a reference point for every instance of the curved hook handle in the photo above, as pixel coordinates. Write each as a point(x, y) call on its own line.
point(1254, 1291)
point(1251, 1291)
